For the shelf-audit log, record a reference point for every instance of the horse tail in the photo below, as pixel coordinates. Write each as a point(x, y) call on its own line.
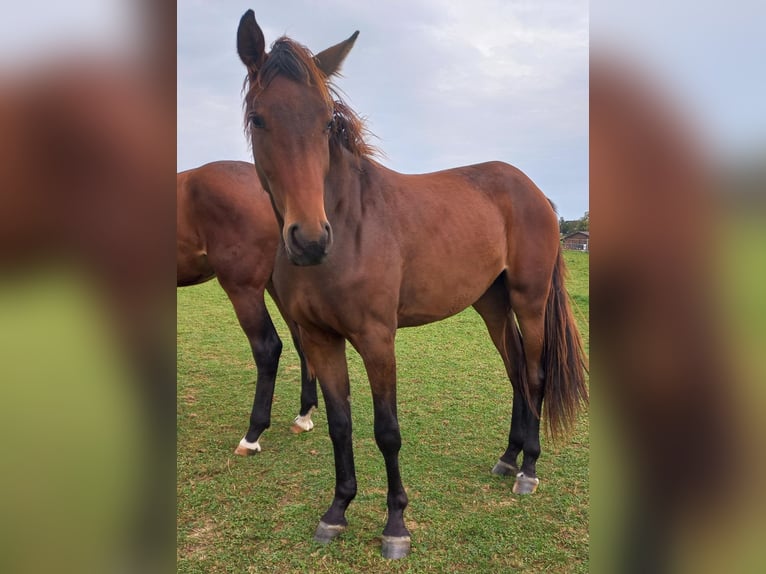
point(563, 358)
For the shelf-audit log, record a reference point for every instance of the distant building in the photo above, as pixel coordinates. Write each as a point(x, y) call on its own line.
point(577, 241)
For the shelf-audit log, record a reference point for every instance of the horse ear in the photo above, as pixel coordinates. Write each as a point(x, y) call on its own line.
point(251, 45)
point(330, 60)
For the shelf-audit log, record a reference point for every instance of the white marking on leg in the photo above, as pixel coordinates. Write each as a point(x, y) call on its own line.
point(250, 445)
point(524, 476)
point(305, 421)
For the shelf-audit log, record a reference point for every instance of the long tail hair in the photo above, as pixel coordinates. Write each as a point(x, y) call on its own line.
point(563, 358)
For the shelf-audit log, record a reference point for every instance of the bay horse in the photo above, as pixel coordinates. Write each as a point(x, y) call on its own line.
point(226, 228)
point(366, 250)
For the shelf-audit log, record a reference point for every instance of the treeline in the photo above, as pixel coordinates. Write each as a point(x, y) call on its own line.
point(582, 224)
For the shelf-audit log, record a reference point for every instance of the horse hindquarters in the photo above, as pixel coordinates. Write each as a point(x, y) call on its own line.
point(543, 357)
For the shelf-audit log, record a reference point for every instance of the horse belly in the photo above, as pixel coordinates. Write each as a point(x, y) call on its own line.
point(450, 262)
point(434, 294)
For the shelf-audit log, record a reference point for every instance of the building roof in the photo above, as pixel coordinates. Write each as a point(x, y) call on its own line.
point(568, 235)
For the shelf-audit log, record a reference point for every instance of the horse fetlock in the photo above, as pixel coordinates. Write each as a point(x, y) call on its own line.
point(267, 352)
point(503, 468)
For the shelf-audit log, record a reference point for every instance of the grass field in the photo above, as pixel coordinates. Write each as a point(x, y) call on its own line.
point(258, 514)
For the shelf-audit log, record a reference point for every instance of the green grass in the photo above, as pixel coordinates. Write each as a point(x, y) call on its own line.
point(258, 514)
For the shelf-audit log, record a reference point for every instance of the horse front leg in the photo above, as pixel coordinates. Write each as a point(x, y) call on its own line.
point(379, 358)
point(328, 355)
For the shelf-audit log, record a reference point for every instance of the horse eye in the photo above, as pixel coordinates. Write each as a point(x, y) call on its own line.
point(329, 125)
point(257, 121)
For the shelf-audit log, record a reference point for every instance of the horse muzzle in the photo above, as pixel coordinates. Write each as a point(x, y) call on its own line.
point(306, 249)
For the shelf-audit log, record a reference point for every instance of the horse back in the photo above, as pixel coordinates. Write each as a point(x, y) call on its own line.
point(489, 206)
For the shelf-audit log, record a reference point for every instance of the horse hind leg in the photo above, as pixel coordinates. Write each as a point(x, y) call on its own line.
point(309, 401)
point(521, 350)
point(529, 308)
point(507, 465)
point(554, 360)
point(494, 307)
point(266, 347)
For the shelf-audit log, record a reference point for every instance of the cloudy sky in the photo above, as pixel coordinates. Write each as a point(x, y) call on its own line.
point(442, 83)
point(708, 56)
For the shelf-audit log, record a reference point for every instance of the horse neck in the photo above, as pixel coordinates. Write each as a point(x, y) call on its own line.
point(343, 200)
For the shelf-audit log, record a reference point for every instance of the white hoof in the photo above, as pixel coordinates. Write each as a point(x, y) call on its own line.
point(303, 423)
point(525, 484)
point(245, 448)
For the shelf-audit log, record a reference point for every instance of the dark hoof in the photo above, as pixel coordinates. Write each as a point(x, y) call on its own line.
point(325, 533)
point(525, 484)
point(395, 547)
point(502, 468)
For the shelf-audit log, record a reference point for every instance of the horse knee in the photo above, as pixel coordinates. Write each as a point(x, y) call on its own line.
point(340, 428)
point(266, 351)
point(388, 438)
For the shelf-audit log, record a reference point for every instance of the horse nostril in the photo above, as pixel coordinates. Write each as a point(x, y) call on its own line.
point(292, 234)
point(298, 243)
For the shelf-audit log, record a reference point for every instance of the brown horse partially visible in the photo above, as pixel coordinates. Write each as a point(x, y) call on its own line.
point(226, 229)
point(85, 178)
point(668, 380)
point(366, 250)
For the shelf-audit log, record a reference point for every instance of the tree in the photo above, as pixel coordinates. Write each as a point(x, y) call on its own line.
point(582, 224)
point(585, 222)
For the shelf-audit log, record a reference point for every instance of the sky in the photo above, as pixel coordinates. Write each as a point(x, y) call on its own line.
point(442, 83)
point(708, 56)
point(445, 82)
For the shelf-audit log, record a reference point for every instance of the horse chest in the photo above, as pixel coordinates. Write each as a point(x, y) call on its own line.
point(338, 298)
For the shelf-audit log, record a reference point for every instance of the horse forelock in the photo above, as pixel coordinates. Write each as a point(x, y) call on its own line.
point(296, 62)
